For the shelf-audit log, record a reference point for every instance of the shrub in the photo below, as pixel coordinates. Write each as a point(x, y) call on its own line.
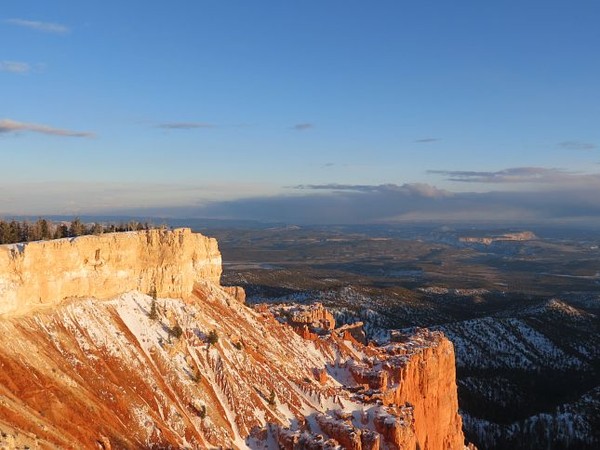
point(153, 310)
point(213, 337)
point(272, 398)
point(196, 377)
point(176, 331)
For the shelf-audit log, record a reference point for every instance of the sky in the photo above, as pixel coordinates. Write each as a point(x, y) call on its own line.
point(312, 111)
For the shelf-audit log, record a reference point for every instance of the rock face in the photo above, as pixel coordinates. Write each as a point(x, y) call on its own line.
point(198, 370)
point(48, 273)
point(429, 383)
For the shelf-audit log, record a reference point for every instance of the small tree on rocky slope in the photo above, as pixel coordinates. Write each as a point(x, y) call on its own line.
point(213, 337)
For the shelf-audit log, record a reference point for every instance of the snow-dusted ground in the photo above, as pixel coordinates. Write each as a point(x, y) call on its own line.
point(505, 343)
point(572, 425)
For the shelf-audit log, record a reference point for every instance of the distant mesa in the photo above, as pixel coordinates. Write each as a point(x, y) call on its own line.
point(506, 237)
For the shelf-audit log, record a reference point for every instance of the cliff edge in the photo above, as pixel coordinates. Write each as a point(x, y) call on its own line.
point(48, 273)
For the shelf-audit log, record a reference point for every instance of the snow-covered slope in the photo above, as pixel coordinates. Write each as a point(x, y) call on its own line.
point(136, 372)
point(142, 384)
point(500, 343)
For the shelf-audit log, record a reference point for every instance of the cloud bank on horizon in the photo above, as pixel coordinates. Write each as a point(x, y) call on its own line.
point(566, 197)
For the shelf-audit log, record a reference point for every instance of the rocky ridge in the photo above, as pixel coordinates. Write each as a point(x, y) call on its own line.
point(198, 369)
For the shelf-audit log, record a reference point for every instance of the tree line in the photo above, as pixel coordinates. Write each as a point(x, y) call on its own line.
point(15, 231)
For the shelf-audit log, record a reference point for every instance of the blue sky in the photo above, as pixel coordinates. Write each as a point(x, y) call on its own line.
point(226, 108)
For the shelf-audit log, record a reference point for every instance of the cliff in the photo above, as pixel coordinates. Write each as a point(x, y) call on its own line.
point(199, 369)
point(48, 273)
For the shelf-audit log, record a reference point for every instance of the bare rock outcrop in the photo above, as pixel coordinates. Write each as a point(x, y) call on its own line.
point(315, 315)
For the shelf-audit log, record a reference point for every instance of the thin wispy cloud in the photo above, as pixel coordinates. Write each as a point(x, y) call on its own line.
point(8, 126)
point(303, 126)
point(415, 189)
point(184, 125)
point(577, 145)
point(14, 67)
point(512, 175)
point(338, 187)
point(46, 27)
point(426, 140)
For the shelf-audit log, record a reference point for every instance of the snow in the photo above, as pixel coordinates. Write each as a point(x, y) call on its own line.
point(494, 343)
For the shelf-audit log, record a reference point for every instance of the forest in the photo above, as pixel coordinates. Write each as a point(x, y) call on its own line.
point(14, 231)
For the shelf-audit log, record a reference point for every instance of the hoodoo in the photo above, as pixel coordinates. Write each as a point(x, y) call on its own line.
point(90, 360)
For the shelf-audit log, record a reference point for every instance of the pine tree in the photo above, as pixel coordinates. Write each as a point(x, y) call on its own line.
point(97, 229)
point(44, 229)
point(62, 231)
point(77, 228)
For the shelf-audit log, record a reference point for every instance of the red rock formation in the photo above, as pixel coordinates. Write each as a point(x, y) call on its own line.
point(205, 371)
point(315, 315)
point(428, 382)
point(420, 373)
